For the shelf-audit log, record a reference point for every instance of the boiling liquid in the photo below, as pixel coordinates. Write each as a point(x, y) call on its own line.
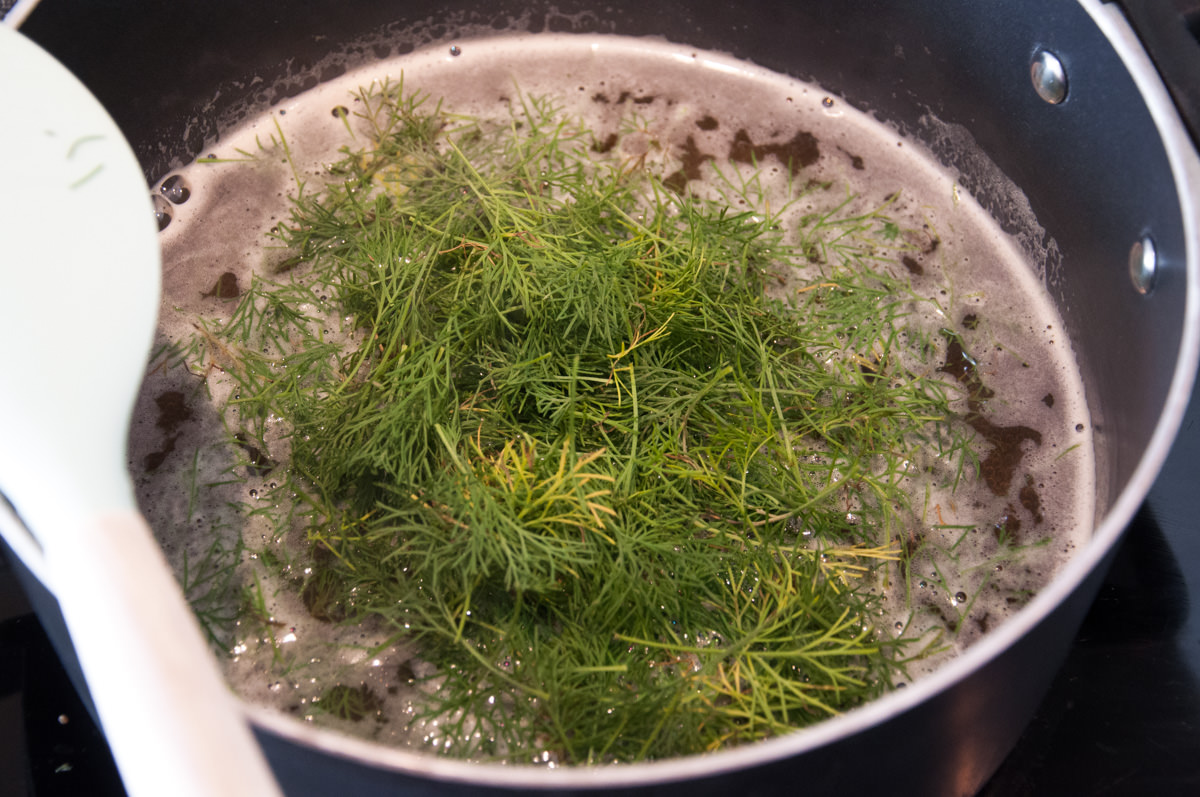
point(671, 108)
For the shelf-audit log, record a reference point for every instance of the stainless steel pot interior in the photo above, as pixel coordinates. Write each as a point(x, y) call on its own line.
point(1101, 171)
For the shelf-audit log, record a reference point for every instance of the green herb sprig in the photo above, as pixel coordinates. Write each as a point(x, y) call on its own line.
point(628, 476)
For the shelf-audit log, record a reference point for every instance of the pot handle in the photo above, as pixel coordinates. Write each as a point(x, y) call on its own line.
point(1169, 31)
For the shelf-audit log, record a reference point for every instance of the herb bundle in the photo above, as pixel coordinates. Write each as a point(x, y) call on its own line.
point(627, 464)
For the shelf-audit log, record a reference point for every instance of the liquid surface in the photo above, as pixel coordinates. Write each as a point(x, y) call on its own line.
point(998, 343)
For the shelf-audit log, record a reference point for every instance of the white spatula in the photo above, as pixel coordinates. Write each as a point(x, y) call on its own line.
point(79, 291)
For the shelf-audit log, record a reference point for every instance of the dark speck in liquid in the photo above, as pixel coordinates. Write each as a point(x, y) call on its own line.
point(856, 161)
point(156, 458)
point(1029, 498)
point(1000, 464)
point(404, 672)
point(628, 95)
point(173, 412)
point(607, 144)
point(226, 287)
point(260, 463)
point(800, 151)
point(692, 159)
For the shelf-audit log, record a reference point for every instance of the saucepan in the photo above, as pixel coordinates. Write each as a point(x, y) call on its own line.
point(1044, 110)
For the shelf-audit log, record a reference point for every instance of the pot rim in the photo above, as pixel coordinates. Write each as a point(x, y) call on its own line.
point(1185, 167)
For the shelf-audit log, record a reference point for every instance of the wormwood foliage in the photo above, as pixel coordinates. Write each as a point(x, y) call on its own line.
point(626, 479)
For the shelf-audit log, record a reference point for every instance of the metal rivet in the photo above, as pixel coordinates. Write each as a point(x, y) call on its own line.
point(1049, 77)
point(1143, 264)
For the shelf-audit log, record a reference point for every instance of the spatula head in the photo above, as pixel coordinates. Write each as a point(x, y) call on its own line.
point(79, 290)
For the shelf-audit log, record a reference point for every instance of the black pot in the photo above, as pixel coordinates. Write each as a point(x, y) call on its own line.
point(1108, 168)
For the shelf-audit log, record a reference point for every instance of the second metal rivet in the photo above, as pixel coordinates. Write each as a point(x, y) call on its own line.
point(1143, 265)
point(1049, 77)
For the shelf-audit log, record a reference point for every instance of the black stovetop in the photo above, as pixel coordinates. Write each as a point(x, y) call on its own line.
point(1122, 717)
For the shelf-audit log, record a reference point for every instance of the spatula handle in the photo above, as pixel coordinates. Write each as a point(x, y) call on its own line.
point(171, 721)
